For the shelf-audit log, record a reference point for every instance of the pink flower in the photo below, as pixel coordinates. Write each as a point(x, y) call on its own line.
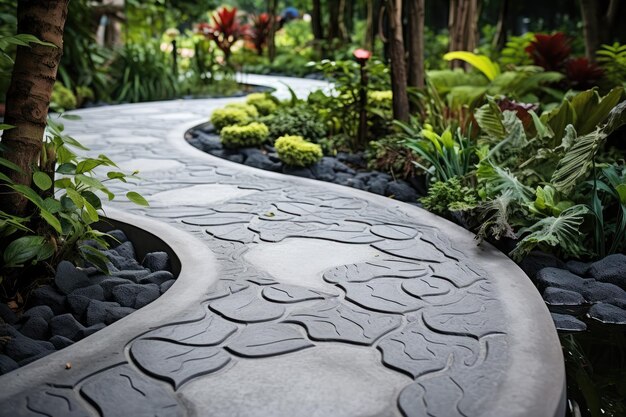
point(362, 55)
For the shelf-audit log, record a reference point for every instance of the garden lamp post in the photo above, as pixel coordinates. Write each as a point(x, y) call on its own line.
point(362, 56)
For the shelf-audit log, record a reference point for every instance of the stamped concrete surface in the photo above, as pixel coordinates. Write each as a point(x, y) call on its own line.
point(296, 298)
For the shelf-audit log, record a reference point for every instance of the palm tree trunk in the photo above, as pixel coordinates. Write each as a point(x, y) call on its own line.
point(415, 44)
point(271, 37)
point(398, 65)
point(28, 96)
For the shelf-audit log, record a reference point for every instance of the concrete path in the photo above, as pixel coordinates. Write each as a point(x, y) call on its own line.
point(296, 298)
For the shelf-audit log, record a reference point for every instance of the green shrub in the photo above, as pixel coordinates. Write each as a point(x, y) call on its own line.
point(84, 94)
point(253, 134)
point(450, 195)
point(228, 117)
point(380, 99)
point(301, 120)
point(62, 98)
point(250, 110)
point(263, 103)
point(295, 151)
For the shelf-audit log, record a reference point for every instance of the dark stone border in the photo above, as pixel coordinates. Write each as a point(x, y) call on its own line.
point(198, 271)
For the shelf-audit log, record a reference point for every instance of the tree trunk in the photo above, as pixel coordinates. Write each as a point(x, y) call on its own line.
point(317, 28)
point(271, 36)
point(333, 19)
point(369, 26)
point(415, 44)
point(598, 24)
point(463, 26)
point(499, 40)
point(316, 21)
point(591, 31)
point(398, 65)
point(28, 96)
point(343, 30)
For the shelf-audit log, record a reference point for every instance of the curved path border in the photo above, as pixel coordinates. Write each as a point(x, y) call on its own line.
point(329, 300)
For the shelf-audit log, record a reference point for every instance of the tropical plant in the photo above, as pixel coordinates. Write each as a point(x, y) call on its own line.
point(522, 83)
point(389, 154)
point(259, 31)
point(225, 30)
point(448, 196)
point(582, 74)
point(444, 156)
point(64, 205)
point(340, 108)
point(550, 51)
point(142, 72)
point(612, 58)
point(514, 53)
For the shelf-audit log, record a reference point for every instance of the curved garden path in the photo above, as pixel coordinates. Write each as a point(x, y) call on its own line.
point(296, 298)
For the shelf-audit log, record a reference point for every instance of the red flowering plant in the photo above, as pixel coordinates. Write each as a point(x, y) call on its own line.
point(583, 74)
point(550, 51)
point(225, 30)
point(259, 31)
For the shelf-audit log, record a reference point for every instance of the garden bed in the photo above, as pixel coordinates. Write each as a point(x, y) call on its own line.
point(79, 302)
point(343, 169)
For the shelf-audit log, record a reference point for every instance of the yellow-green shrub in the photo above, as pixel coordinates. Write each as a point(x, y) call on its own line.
point(263, 103)
point(250, 110)
point(253, 134)
point(380, 99)
point(62, 98)
point(228, 117)
point(297, 152)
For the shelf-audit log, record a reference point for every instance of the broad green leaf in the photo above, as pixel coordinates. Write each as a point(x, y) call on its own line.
point(96, 257)
point(559, 118)
point(22, 250)
point(621, 191)
point(489, 118)
point(577, 161)
point(52, 205)
point(596, 112)
point(70, 116)
point(10, 165)
point(28, 193)
point(137, 198)
point(92, 199)
point(562, 231)
point(91, 212)
point(4, 126)
point(51, 220)
point(76, 198)
point(481, 62)
point(87, 165)
point(42, 180)
point(6, 179)
point(64, 183)
point(114, 175)
point(67, 168)
point(616, 119)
